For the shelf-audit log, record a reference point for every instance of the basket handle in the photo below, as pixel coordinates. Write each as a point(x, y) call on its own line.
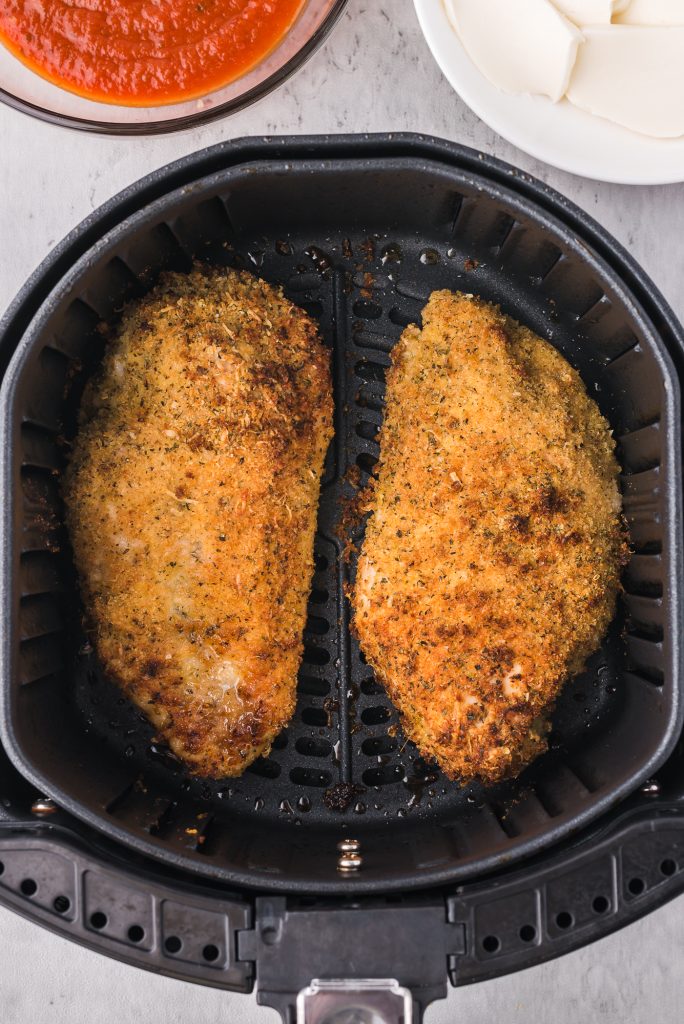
point(355, 1001)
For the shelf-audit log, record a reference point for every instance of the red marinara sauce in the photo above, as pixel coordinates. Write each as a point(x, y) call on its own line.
point(143, 52)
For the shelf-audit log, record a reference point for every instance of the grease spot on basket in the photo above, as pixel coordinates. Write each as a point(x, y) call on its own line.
point(340, 796)
point(320, 260)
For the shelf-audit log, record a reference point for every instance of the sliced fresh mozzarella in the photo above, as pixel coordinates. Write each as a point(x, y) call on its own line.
point(653, 12)
point(589, 12)
point(521, 46)
point(633, 76)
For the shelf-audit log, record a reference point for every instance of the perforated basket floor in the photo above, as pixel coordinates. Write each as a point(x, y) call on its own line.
point(360, 243)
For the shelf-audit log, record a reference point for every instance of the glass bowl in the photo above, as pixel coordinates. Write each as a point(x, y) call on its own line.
point(25, 90)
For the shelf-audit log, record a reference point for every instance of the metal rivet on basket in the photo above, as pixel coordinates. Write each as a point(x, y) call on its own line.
point(350, 858)
point(43, 805)
point(651, 788)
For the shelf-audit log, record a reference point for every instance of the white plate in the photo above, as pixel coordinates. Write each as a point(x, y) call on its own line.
point(557, 133)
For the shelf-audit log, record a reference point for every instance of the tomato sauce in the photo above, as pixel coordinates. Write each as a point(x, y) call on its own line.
point(143, 52)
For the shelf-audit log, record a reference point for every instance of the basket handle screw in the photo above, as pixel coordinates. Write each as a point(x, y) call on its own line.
point(350, 858)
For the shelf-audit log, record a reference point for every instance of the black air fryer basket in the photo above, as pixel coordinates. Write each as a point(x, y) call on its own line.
point(377, 869)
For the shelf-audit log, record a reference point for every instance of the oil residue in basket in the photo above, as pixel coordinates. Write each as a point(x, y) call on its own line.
point(304, 804)
point(285, 807)
point(367, 248)
point(331, 706)
point(283, 248)
point(320, 260)
point(416, 784)
point(340, 796)
point(164, 756)
point(353, 696)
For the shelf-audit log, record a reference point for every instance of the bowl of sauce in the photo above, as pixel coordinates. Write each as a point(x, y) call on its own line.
point(145, 66)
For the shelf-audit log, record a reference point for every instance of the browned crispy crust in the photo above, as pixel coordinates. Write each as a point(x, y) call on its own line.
point(192, 496)
point(491, 562)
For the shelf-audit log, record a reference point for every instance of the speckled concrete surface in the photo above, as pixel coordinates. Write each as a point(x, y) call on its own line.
point(374, 74)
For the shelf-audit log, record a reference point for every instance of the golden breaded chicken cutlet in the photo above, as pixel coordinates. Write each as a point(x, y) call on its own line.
point(192, 496)
point(492, 557)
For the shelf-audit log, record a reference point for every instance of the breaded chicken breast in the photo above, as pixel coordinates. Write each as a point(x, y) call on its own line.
point(492, 557)
point(191, 499)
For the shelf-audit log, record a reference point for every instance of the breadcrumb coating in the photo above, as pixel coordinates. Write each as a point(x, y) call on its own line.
point(492, 558)
point(192, 496)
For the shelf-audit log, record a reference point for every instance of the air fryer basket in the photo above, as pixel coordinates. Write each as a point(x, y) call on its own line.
point(360, 242)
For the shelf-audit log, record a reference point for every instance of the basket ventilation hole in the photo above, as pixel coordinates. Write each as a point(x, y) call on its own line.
point(210, 952)
point(367, 431)
point(313, 748)
point(490, 944)
point(366, 462)
point(316, 656)
point(528, 933)
point(98, 919)
point(173, 944)
point(600, 905)
point(317, 625)
point(668, 867)
point(264, 768)
point(379, 745)
point(636, 886)
point(28, 887)
point(564, 919)
point(383, 776)
point(310, 777)
point(371, 688)
point(61, 904)
point(2, 867)
point(367, 310)
point(376, 715)
point(313, 687)
point(315, 716)
point(136, 933)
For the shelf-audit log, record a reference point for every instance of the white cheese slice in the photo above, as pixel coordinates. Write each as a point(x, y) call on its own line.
point(653, 12)
point(519, 45)
point(590, 12)
point(633, 76)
